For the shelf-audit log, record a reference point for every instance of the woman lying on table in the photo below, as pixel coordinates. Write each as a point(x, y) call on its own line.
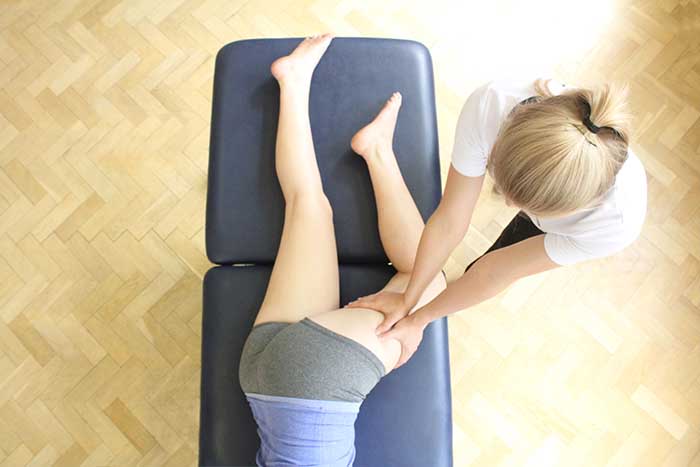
point(307, 365)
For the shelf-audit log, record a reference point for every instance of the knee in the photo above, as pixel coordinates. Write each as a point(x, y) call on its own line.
point(311, 204)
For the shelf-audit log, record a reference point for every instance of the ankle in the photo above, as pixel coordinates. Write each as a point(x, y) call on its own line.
point(294, 93)
point(295, 84)
point(381, 154)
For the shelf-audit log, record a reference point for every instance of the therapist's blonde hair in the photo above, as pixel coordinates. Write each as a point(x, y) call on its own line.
point(547, 162)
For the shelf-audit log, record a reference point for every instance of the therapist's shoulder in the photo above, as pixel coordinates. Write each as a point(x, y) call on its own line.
point(502, 88)
point(621, 217)
point(497, 97)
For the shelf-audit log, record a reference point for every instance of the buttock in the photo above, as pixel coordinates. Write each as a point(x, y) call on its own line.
point(308, 361)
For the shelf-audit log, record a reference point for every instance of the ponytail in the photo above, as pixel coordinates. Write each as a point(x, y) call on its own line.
point(562, 153)
point(605, 109)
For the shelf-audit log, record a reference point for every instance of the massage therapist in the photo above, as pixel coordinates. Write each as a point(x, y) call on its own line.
point(559, 154)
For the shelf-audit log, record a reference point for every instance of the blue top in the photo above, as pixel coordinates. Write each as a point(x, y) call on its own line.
point(304, 431)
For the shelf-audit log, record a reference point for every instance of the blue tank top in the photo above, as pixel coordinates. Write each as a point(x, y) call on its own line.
point(304, 431)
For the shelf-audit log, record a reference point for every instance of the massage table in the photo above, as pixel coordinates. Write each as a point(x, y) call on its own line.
point(406, 420)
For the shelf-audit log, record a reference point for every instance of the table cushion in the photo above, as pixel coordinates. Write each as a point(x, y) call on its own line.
point(245, 206)
point(405, 421)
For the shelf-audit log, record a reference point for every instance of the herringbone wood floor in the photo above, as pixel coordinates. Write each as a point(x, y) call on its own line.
point(104, 125)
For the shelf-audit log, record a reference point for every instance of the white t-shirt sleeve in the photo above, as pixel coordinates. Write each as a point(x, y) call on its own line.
point(612, 227)
point(470, 150)
point(565, 250)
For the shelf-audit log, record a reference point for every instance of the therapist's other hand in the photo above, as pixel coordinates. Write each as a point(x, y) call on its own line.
point(392, 304)
point(409, 332)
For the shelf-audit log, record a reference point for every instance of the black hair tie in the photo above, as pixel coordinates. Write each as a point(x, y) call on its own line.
point(592, 127)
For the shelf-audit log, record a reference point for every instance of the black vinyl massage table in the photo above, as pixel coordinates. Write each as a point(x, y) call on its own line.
point(406, 420)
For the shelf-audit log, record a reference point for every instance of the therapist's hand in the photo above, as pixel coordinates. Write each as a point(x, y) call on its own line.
point(392, 304)
point(409, 332)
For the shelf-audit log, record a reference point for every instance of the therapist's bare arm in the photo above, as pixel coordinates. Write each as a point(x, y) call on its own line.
point(489, 276)
point(445, 229)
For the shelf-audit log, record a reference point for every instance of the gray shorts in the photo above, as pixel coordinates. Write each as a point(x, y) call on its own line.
point(307, 361)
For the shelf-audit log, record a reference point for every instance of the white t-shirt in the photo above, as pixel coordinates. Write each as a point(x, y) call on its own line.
point(595, 232)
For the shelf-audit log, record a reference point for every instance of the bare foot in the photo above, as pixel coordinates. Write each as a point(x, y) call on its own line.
point(298, 66)
point(377, 137)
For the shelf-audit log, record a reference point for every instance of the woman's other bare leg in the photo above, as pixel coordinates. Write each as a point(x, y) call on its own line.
point(304, 278)
point(400, 229)
point(400, 223)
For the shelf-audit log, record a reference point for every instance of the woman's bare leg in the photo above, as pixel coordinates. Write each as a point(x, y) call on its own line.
point(400, 223)
point(304, 278)
point(400, 229)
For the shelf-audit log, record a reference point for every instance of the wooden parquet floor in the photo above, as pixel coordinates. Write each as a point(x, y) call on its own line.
point(104, 126)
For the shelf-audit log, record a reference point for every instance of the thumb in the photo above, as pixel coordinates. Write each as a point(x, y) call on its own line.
point(360, 302)
point(388, 334)
point(386, 324)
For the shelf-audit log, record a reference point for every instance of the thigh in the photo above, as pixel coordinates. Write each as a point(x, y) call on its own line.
point(359, 324)
point(518, 229)
point(304, 278)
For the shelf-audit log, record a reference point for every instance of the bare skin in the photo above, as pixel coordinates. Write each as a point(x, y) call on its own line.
point(304, 279)
point(400, 223)
point(376, 138)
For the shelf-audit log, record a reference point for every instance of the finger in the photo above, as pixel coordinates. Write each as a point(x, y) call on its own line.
point(357, 299)
point(359, 303)
point(368, 297)
point(367, 302)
